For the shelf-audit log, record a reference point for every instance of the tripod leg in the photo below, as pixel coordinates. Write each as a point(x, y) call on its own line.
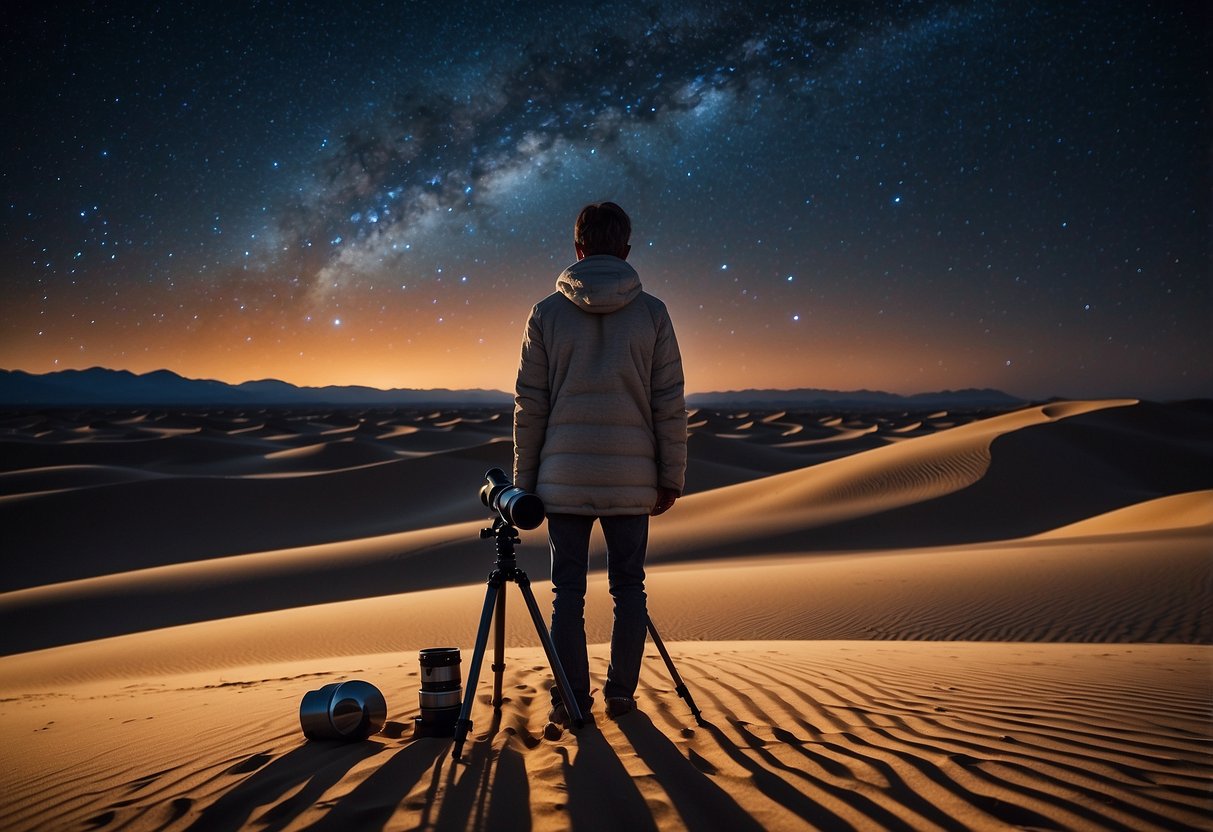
point(562, 681)
point(679, 686)
point(498, 650)
point(464, 723)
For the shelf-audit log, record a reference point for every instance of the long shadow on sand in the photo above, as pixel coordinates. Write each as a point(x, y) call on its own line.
point(372, 804)
point(827, 758)
point(601, 792)
point(490, 791)
point(316, 767)
point(798, 802)
point(701, 803)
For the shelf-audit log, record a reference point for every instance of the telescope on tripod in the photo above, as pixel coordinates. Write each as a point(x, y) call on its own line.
point(516, 508)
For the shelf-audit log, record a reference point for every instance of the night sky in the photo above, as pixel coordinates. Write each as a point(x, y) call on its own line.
point(908, 197)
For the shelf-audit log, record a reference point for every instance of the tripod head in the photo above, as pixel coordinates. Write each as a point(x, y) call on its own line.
point(507, 538)
point(499, 527)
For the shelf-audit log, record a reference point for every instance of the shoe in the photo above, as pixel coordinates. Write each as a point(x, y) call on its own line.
point(559, 715)
point(617, 706)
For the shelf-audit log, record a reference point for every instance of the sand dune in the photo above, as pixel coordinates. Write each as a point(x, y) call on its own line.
point(912, 620)
point(996, 479)
point(1148, 588)
point(412, 523)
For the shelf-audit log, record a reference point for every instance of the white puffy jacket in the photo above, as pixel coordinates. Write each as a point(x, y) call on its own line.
point(600, 421)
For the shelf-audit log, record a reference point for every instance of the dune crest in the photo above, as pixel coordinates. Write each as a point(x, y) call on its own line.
point(879, 480)
point(1193, 510)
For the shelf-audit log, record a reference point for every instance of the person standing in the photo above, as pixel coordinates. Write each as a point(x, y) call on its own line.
point(600, 434)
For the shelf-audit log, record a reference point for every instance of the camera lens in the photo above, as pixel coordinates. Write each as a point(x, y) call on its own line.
point(516, 506)
point(520, 508)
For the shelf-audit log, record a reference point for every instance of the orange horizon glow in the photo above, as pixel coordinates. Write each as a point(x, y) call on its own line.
point(493, 366)
point(396, 351)
point(239, 333)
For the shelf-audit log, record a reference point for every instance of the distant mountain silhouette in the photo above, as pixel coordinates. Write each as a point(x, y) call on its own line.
point(101, 387)
point(98, 386)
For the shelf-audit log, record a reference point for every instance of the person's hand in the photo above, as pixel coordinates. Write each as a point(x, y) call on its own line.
point(665, 499)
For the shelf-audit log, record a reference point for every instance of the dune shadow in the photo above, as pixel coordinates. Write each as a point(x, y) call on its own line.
point(305, 774)
point(1078, 468)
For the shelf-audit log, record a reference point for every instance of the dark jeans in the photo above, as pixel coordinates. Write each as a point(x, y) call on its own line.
point(627, 537)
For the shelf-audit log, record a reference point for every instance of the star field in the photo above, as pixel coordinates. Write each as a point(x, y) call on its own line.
point(910, 196)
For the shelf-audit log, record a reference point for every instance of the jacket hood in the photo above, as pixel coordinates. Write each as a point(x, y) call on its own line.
point(600, 283)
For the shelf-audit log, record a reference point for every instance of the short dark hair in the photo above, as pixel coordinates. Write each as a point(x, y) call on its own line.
point(602, 228)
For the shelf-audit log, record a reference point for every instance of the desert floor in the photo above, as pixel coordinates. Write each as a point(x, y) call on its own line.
point(889, 621)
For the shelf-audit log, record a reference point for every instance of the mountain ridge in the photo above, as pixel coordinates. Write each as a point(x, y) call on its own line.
point(99, 386)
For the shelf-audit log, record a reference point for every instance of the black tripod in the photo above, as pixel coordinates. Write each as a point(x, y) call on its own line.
point(506, 569)
point(680, 686)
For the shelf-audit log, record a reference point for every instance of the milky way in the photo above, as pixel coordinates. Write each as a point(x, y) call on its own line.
point(902, 196)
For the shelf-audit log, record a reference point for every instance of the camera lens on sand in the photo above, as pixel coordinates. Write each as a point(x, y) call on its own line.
point(441, 692)
point(343, 711)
